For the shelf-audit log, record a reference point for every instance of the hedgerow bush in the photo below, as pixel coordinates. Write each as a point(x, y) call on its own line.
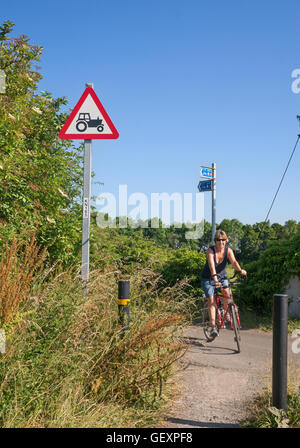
point(270, 274)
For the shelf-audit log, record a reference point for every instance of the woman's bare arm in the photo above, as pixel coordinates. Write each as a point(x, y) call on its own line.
point(234, 262)
point(211, 262)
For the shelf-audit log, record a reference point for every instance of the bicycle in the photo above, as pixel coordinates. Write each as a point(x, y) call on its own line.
point(223, 316)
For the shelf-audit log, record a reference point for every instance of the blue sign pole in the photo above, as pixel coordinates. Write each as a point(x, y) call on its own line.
point(213, 202)
point(210, 185)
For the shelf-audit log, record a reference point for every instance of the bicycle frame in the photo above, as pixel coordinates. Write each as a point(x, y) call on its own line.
point(219, 305)
point(221, 316)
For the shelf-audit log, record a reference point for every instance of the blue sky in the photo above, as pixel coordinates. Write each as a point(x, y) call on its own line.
point(186, 84)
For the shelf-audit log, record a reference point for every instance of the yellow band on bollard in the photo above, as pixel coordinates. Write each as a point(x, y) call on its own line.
point(123, 301)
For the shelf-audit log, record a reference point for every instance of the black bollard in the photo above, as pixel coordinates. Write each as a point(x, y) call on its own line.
point(280, 347)
point(123, 304)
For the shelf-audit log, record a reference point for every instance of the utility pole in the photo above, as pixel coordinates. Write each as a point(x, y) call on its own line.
point(213, 202)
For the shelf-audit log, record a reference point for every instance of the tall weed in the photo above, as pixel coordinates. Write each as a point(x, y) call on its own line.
point(21, 259)
point(68, 363)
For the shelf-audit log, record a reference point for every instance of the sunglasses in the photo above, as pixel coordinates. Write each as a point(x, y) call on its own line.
point(220, 239)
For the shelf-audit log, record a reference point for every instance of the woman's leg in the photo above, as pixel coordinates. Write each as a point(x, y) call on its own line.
point(209, 294)
point(226, 296)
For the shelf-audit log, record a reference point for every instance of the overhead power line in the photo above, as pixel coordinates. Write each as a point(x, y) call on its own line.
point(288, 164)
point(283, 177)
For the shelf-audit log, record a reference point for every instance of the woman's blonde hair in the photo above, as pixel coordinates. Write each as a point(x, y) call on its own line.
point(220, 234)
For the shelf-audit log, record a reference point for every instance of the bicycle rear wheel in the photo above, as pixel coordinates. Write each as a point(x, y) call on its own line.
point(236, 328)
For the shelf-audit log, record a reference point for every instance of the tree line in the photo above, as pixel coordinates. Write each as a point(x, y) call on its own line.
point(247, 240)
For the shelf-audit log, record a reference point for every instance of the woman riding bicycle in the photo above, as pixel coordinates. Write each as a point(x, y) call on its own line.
point(215, 269)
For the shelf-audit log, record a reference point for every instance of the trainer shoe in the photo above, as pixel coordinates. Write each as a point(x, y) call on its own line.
point(214, 333)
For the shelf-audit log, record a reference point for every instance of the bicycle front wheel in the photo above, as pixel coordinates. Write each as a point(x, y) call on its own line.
point(236, 328)
point(206, 324)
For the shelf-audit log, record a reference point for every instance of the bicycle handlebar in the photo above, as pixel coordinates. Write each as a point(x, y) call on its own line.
point(219, 277)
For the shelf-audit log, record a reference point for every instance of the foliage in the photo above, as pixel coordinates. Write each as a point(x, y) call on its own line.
point(123, 248)
point(19, 263)
point(184, 263)
point(256, 238)
point(40, 174)
point(264, 415)
point(270, 274)
point(205, 240)
point(234, 230)
point(67, 364)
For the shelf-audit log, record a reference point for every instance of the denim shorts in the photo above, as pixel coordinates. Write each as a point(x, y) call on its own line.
point(209, 289)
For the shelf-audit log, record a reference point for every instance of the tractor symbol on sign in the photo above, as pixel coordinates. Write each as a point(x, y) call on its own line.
point(84, 120)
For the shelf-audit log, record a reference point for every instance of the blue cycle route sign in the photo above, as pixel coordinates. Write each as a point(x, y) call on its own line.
point(205, 185)
point(206, 172)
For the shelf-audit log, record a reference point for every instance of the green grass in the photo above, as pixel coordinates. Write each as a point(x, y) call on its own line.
point(67, 363)
point(252, 320)
point(263, 415)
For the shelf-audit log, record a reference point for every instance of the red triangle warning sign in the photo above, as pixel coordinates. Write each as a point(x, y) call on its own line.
point(88, 120)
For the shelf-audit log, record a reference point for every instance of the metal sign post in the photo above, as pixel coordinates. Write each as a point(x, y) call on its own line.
point(88, 120)
point(213, 202)
point(210, 185)
point(85, 247)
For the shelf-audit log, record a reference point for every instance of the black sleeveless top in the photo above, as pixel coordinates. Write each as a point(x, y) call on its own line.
point(220, 267)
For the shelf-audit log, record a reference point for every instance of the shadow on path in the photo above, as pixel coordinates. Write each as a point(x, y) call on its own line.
point(193, 341)
point(180, 421)
point(209, 349)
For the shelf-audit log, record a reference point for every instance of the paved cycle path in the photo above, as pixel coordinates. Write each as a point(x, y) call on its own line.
point(216, 383)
